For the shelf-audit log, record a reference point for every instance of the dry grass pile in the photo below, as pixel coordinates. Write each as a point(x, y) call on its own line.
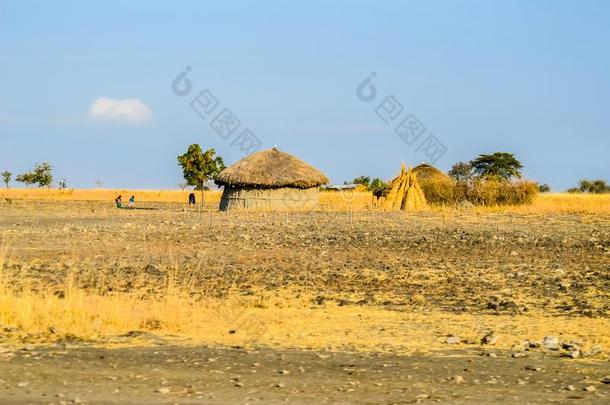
point(405, 193)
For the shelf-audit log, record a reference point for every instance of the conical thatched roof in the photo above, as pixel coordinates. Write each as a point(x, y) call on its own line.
point(272, 169)
point(426, 172)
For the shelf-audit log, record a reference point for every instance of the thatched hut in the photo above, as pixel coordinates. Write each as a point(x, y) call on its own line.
point(270, 179)
point(425, 172)
point(438, 187)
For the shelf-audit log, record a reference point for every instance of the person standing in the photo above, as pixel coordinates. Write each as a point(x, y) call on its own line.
point(132, 201)
point(119, 202)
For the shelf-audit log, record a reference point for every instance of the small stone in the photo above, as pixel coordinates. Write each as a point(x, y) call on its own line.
point(606, 379)
point(532, 368)
point(518, 355)
point(280, 385)
point(590, 388)
point(239, 384)
point(574, 354)
point(423, 396)
point(551, 342)
point(451, 340)
point(514, 253)
point(571, 388)
point(459, 379)
point(22, 384)
point(284, 372)
point(163, 390)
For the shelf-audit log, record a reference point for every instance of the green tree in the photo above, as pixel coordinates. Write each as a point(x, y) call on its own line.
point(499, 166)
point(6, 177)
point(41, 175)
point(461, 171)
point(199, 167)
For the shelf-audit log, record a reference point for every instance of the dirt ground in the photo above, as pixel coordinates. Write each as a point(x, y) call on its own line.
point(237, 376)
point(371, 268)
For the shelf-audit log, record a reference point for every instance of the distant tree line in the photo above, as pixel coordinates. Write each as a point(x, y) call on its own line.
point(591, 186)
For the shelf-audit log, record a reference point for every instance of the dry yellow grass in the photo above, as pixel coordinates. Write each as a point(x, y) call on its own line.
point(561, 203)
point(329, 200)
point(280, 321)
point(162, 196)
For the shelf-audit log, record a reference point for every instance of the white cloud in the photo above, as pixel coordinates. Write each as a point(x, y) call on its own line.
point(132, 109)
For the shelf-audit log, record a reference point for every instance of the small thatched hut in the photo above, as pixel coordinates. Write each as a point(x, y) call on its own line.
point(438, 187)
point(425, 172)
point(270, 179)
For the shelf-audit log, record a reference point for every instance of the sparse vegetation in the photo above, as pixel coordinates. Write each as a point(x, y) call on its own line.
point(63, 184)
point(6, 177)
point(42, 175)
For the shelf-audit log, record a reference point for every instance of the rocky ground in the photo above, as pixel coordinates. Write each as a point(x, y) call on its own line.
point(461, 263)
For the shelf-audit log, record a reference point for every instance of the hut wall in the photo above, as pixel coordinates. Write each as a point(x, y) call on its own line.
point(288, 198)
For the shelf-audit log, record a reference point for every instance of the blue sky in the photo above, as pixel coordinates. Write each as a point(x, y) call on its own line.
point(528, 77)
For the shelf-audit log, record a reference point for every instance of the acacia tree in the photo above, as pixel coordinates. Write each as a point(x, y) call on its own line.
point(199, 168)
point(6, 177)
point(499, 165)
point(41, 175)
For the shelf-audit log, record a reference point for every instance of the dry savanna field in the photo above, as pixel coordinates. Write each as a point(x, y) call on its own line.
point(348, 278)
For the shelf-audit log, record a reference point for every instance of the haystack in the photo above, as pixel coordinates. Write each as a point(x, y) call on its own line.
point(405, 193)
point(270, 179)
